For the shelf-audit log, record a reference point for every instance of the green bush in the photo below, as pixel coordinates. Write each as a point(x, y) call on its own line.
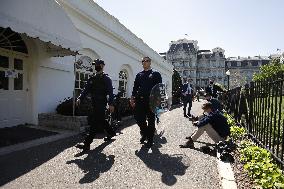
point(260, 167)
point(257, 161)
point(237, 133)
point(269, 70)
point(66, 107)
point(231, 121)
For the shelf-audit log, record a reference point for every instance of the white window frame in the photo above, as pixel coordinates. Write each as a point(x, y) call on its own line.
point(123, 78)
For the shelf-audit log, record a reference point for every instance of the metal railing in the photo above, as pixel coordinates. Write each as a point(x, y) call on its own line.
point(259, 107)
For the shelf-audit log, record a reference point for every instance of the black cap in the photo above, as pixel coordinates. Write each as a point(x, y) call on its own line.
point(98, 61)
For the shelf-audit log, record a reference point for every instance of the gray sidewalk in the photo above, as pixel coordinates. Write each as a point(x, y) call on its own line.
point(119, 164)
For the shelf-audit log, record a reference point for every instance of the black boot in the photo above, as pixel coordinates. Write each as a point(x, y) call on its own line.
point(143, 139)
point(188, 144)
point(149, 144)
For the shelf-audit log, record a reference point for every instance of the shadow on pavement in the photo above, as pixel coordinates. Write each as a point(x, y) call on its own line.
point(175, 106)
point(94, 164)
point(208, 149)
point(21, 133)
point(125, 124)
point(18, 163)
point(168, 165)
point(118, 131)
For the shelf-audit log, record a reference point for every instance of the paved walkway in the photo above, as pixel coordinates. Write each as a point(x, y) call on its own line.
point(119, 164)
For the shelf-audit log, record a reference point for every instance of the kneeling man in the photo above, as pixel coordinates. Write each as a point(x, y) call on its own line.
point(214, 123)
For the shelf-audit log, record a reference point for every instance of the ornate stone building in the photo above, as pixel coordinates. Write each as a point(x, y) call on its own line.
point(243, 68)
point(199, 66)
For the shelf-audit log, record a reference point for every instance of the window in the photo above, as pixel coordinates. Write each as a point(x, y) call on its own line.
point(244, 63)
point(81, 81)
point(18, 82)
point(4, 62)
point(254, 63)
point(122, 84)
point(4, 81)
point(83, 73)
point(18, 64)
point(234, 64)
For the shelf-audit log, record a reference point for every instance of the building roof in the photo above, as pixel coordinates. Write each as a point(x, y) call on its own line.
point(187, 47)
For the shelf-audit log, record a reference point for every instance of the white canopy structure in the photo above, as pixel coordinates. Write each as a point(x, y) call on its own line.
point(45, 20)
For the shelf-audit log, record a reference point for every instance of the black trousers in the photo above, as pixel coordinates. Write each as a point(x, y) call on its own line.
point(97, 122)
point(187, 100)
point(145, 118)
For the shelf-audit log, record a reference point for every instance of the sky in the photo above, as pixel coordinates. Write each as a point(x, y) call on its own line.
point(240, 27)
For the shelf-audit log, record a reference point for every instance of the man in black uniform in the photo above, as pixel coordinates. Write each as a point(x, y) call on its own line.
point(143, 84)
point(101, 90)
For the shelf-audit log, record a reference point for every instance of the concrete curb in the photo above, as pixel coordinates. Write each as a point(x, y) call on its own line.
point(226, 174)
point(36, 142)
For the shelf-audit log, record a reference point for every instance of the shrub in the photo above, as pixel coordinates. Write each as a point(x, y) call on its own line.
point(66, 107)
point(260, 167)
point(269, 70)
point(85, 108)
point(237, 133)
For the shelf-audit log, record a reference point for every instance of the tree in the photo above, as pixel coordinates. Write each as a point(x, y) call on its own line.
point(269, 70)
point(237, 79)
point(177, 85)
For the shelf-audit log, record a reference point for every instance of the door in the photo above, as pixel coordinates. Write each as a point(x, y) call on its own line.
point(13, 89)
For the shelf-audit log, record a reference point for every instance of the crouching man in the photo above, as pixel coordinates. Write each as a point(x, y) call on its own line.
point(214, 124)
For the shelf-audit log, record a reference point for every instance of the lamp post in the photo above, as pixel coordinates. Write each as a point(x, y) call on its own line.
point(228, 75)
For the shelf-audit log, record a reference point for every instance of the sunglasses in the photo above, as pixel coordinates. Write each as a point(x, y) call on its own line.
point(145, 61)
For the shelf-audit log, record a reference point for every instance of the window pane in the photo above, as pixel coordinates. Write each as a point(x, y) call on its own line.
point(244, 64)
point(81, 76)
point(18, 64)
point(234, 64)
point(82, 84)
point(254, 63)
point(4, 81)
point(18, 82)
point(4, 62)
point(77, 75)
point(77, 92)
point(77, 84)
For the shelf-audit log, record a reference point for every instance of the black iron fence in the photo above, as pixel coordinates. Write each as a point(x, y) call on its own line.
point(259, 106)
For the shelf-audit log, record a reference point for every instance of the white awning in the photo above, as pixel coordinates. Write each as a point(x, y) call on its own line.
point(42, 19)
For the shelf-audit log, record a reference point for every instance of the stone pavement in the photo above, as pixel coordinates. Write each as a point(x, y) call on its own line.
point(118, 164)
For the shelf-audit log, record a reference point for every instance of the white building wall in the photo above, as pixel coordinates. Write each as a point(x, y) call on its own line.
point(55, 82)
point(113, 42)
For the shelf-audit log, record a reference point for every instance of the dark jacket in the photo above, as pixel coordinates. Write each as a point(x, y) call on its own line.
point(218, 122)
point(144, 82)
point(185, 87)
point(213, 89)
point(216, 104)
point(99, 86)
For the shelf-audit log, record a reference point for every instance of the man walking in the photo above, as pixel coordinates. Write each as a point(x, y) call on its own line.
point(187, 93)
point(213, 89)
point(99, 86)
point(143, 84)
